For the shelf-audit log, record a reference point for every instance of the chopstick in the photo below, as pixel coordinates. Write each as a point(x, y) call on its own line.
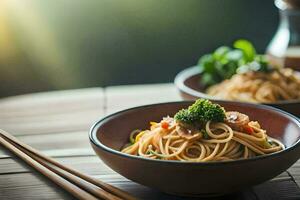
point(105, 186)
point(98, 192)
point(72, 189)
point(103, 190)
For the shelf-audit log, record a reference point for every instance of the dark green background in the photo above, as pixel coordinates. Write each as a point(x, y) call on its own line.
point(112, 42)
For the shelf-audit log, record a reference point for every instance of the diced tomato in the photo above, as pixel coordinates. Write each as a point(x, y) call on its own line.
point(165, 125)
point(248, 129)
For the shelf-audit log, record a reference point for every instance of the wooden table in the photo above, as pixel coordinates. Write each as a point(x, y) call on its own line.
point(57, 124)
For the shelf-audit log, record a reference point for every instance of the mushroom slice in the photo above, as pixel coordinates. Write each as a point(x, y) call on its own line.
point(236, 120)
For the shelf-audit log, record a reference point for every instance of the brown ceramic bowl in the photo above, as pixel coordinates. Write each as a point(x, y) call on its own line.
point(188, 83)
point(111, 133)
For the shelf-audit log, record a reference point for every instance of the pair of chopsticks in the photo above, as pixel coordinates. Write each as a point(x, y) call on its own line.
point(76, 183)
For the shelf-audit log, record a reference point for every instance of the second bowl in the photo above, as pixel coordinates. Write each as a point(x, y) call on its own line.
point(188, 84)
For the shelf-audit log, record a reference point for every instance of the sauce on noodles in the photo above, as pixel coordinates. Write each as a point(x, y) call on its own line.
point(236, 137)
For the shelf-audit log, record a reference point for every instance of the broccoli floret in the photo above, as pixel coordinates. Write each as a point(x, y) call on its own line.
point(200, 112)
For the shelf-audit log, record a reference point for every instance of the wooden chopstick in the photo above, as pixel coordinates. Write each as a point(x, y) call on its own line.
point(66, 185)
point(109, 188)
point(96, 191)
point(105, 186)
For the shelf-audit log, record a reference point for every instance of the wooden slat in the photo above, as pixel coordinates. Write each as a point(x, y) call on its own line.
point(281, 189)
point(64, 122)
point(121, 97)
point(59, 144)
point(51, 102)
point(295, 172)
point(51, 112)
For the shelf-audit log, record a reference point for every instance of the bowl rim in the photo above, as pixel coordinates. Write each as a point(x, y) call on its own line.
point(187, 73)
point(94, 140)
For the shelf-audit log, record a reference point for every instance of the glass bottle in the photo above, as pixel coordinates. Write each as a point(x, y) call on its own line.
point(284, 48)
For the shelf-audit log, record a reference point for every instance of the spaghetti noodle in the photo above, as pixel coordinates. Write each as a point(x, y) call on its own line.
point(235, 138)
point(259, 87)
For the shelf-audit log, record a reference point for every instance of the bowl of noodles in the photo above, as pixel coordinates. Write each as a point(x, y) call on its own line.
point(200, 148)
point(222, 75)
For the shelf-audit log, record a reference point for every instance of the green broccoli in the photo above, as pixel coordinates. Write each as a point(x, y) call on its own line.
point(200, 112)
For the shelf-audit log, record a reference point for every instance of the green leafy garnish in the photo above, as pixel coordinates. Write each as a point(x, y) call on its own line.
point(200, 112)
point(224, 62)
point(247, 48)
point(205, 134)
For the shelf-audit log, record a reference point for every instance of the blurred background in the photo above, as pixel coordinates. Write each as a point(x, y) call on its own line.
point(64, 44)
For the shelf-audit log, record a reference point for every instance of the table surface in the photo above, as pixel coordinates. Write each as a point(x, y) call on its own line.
point(57, 124)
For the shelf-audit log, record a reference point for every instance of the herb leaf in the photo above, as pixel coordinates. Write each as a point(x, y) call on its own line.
point(247, 48)
point(224, 62)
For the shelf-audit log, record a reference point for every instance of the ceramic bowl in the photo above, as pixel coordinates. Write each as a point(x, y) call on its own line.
point(188, 84)
point(111, 133)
